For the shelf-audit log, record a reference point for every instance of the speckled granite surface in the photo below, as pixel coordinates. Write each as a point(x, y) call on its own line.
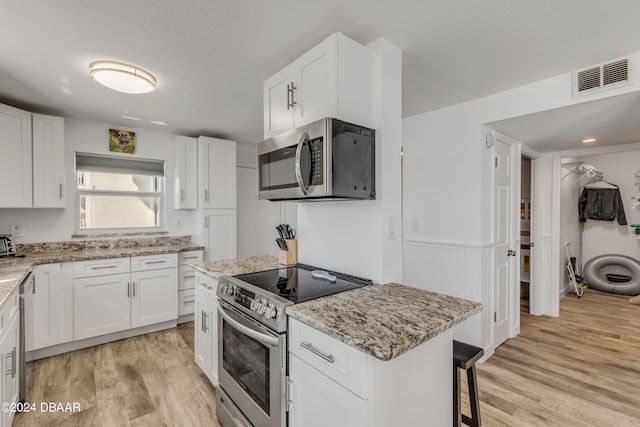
point(232, 267)
point(384, 320)
point(14, 270)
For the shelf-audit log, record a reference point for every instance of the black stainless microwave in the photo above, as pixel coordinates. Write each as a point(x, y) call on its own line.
point(325, 160)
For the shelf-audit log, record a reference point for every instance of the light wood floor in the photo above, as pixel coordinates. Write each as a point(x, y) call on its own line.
point(580, 369)
point(151, 380)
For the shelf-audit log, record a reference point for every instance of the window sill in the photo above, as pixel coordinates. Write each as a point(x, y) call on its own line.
point(123, 234)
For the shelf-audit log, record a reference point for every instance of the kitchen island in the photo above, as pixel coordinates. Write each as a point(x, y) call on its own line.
point(375, 356)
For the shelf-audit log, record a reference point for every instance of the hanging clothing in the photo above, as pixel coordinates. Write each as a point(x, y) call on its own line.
point(602, 204)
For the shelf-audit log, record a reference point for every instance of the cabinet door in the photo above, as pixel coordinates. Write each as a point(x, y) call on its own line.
point(48, 162)
point(206, 337)
point(10, 373)
point(219, 173)
point(51, 308)
point(316, 93)
point(101, 305)
point(15, 152)
point(185, 186)
point(220, 234)
point(278, 112)
point(319, 401)
point(154, 296)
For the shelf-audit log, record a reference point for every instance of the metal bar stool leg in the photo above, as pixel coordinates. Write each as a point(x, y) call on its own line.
point(457, 404)
point(474, 402)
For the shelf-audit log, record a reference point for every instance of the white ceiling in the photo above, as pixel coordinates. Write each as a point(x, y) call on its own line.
point(211, 56)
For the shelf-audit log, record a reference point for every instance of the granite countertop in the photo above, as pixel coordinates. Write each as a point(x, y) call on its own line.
point(235, 266)
point(13, 270)
point(384, 320)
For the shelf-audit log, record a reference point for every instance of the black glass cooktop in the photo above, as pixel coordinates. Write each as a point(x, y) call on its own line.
point(296, 283)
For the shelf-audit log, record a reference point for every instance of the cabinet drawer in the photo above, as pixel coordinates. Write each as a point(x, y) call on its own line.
point(186, 277)
point(190, 257)
point(207, 285)
point(153, 262)
point(340, 362)
point(101, 267)
point(186, 302)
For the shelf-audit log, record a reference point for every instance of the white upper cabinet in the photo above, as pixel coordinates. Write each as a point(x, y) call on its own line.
point(185, 186)
point(218, 172)
point(15, 152)
point(48, 162)
point(333, 79)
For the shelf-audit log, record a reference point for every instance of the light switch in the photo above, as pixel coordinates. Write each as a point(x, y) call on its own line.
point(392, 228)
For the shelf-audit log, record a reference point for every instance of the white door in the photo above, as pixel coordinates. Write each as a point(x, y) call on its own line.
point(185, 185)
point(318, 401)
point(278, 112)
point(220, 234)
point(219, 172)
point(10, 376)
point(206, 336)
point(48, 162)
point(154, 296)
point(505, 259)
point(48, 303)
point(15, 152)
point(102, 305)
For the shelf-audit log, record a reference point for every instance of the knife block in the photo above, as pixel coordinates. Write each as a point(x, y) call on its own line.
point(290, 256)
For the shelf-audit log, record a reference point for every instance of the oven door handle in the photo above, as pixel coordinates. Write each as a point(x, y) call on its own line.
point(257, 335)
point(303, 140)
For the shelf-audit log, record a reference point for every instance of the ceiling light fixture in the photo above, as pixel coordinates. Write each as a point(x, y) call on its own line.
point(588, 140)
point(122, 77)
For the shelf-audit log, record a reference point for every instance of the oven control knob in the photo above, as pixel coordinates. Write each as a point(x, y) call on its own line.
point(270, 312)
point(230, 289)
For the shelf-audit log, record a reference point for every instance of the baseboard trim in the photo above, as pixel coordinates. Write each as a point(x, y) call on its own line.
point(185, 318)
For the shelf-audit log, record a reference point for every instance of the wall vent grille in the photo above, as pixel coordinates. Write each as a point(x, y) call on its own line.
point(601, 77)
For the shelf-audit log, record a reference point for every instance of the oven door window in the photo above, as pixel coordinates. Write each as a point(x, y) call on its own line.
point(278, 168)
point(247, 362)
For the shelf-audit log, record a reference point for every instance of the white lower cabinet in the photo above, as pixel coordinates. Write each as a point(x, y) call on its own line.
point(333, 384)
point(206, 326)
point(102, 305)
point(9, 351)
point(49, 315)
point(109, 303)
point(154, 296)
point(318, 401)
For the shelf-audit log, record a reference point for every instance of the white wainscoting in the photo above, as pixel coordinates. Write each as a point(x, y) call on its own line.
point(460, 269)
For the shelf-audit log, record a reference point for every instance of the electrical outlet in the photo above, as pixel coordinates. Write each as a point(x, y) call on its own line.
point(392, 232)
point(179, 224)
point(17, 230)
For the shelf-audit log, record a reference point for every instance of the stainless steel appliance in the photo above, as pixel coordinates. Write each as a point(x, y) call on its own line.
point(252, 339)
point(7, 246)
point(326, 159)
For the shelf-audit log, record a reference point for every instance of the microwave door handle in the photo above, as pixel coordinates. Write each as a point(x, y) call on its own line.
point(258, 336)
point(303, 140)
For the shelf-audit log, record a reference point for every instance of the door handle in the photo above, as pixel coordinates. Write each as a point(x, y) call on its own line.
point(511, 252)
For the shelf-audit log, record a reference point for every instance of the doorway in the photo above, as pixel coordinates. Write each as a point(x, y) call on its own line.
point(526, 243)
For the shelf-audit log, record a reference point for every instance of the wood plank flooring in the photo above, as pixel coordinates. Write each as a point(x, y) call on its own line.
point(150, 380)
point(580, 369)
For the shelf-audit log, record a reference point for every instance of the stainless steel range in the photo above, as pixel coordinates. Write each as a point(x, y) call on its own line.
point(252, 338)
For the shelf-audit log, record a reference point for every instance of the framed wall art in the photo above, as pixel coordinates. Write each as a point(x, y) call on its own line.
point(122, 141)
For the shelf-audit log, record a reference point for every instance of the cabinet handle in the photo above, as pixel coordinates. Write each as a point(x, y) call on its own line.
point(34, 285)
point(202, 321)
point(204, 324)
point(309, 347)
point(187, 301)
point(190, 277)
point(128, 289)
point(156, 262)
point(60, 190)
point(134, 289)
point(204, 285)
point(13, 363)
point(192, 257)
point(103, 267)
point(290, 103)
point(206, 195)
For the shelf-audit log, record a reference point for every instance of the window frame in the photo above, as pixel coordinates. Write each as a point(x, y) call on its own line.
point(160, 182)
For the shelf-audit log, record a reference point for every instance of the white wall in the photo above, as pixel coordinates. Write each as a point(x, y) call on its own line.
point(608, 237)
point(447, 190)
point(350, 236)
point(569, 223)
point(46, 225)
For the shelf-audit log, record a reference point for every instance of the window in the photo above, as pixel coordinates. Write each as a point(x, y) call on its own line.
point(119, 193)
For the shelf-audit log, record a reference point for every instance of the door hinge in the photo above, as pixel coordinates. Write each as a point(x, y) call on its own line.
point(495, 316)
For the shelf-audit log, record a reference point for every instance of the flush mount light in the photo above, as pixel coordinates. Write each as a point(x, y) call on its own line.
point(122, 77)
point(588, 140)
